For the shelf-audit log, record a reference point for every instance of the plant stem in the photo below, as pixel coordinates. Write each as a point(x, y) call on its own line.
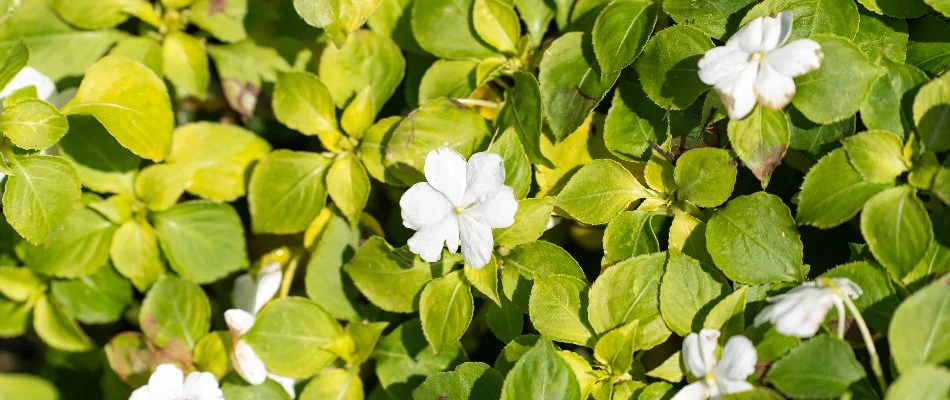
point(868, 342)
point(477, 102)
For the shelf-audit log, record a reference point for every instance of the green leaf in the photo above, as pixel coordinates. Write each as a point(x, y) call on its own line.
point(325, 282)
point(20, 283)
point(223, 20)
point(33, 124)
point(878, 299)
point(242, 67)
point(16, 318)
point(337, 18)
point(572, 83)
point(541, 375)
point(13, 60)
point(102, 164)
point(445, 29)
point(523, 112)
point(668, 67)
point(621, 31)
point(506, 322)
point(348, 185)
point(615, 348)
point(626, 291)
point(449, 78)
point(876, 155)
point(728, 315)
point(539, 258)
point(56, 48)
point(897, 229)
point(334, 383)
point(160, 185)
point(291, 334)
point(687, 291)
point(131, 102)
point(484, 279)
point(943, 6)
point(236, 388)
point(688, 234)
point(23, 386)
point(392, 18)
point(537, 16)
point(404, 359)
point(365, 335)
point(390, 279)
point(754, 240)
point(760, 140)
point(833, 192)
point(497, 24)
point(531, 220)
point(924, 383)
point(213, 353)
point(716, 18)
point(42, 192)
point(470, 380)
point(557, 308)
point(286, 191)
point(424, 130)
point(887, 106)
point(632, 233)
point(839, 17)
point(218, 175)
point(95, 299)
point(599, 191)
point(819, 368)
point(816, 139)
point(446, 308)
point(78, 248)
point(932, 113)
point(928, 48)
point(95, 14)
point(633, 123)
point(920, 331)
point(882, 37)
point(896, 8)
point(202, 241)
point(517, 166)
point(57, 328)
point(705, 176)
point(845, 74)
point(175, 313)
point(303, 103)
point(185, 63)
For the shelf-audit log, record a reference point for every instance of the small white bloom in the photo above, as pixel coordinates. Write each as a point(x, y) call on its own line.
point(753, 66)
point(460, 202)
point(249, 296)
point(169, 383)
point(800, 311)
point(30, 77)
point(716, 378)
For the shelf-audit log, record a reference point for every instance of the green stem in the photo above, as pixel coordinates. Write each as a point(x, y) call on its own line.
point(868, 343)
point(477, 102)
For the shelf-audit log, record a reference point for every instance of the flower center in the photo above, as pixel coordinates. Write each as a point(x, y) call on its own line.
point(757, 56)
point(710, 380)
point(462, 208)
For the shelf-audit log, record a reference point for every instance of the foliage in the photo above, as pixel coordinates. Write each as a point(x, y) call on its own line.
point(194, 147)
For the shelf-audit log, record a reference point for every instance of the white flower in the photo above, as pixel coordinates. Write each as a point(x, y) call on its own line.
point(716, 378)
point(753, 66)
point(169, 383)
point(30, 77)
point(459, 202)
point(249, 296)
point(800, 311)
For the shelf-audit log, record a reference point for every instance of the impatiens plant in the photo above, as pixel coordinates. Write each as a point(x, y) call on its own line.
point(474, 199)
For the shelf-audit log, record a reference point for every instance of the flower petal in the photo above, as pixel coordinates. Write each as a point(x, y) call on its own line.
point(796, 58)
point(773, 89)
point(30, 77)
point(286, 383)
point(239, 321)
point(445, 171)
point(477, 241)
point(427, 242)
point(720, 62)
point(248, 364)
point(737, 91)
point(694, 391)
point(486, 175)
point(167, 382)
point(849, 288)
point(699, 352)
point(202, 386)
point(268, 283)
point(141, 393)
point(242, 295)
point(726, 386)
point(497, 212)
point(775, 30)
point(423, 206)
point(738, 359)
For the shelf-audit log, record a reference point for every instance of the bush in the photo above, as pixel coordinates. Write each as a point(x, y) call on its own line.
point(450, 199)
